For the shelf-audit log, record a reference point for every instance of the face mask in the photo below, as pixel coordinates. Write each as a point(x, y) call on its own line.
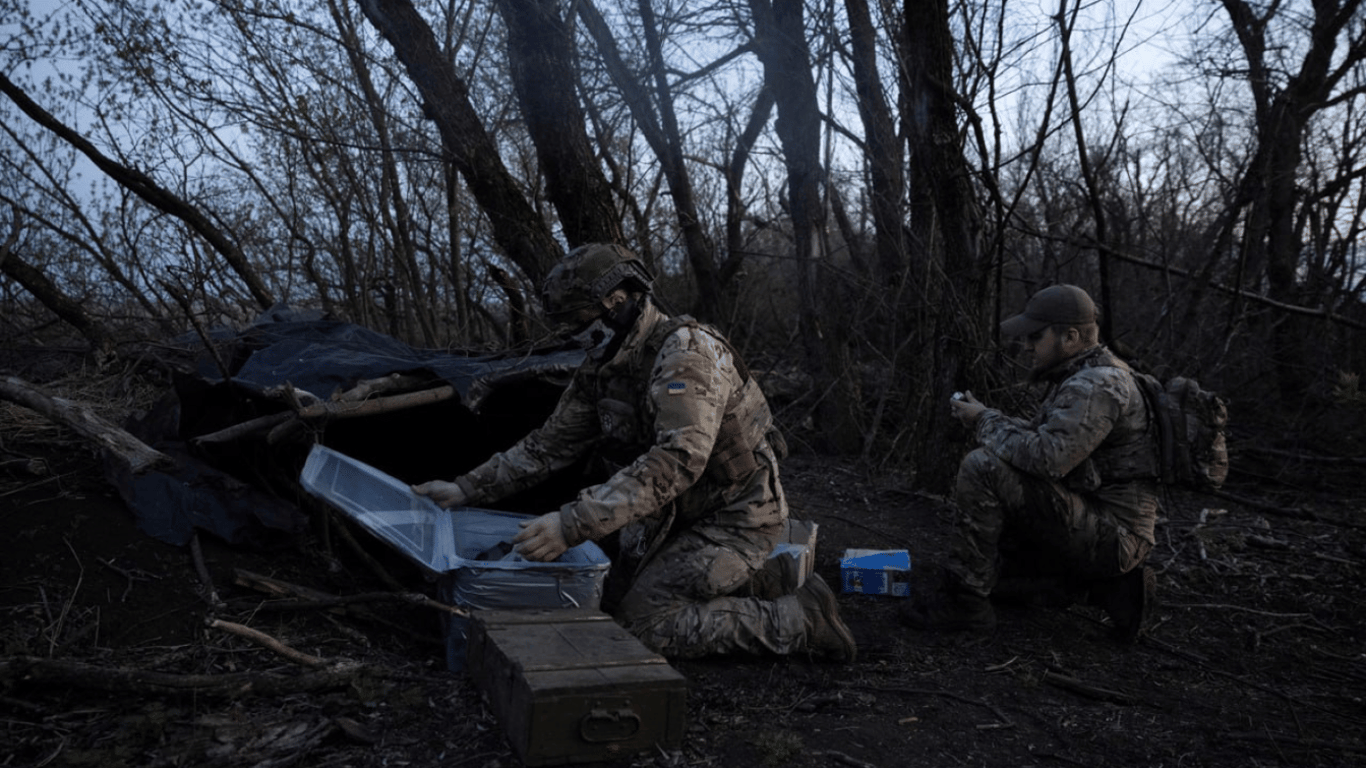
point(595, 338)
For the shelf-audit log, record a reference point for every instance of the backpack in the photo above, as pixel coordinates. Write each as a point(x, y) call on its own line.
point(1190, 424)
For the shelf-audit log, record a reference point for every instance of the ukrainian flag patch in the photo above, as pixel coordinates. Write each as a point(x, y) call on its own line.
point(676, 388)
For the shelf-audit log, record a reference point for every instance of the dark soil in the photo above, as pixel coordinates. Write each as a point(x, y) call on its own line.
point(1257, 656)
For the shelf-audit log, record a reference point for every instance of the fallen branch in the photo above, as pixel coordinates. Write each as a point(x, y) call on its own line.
point(1002, 720)
point(139, 456)
point(368, 388)
point(1306, 457)
point(1226, 607)
point(844, 759)
point(1322, 746)
point(55, 673)
point(1291, 512)
point(849, 521)
point(268, 642)
point(330, 410)
point(1086, 689)
point(314, 599)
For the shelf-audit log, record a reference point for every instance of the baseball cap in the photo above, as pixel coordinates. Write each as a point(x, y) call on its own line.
point(1060, 304)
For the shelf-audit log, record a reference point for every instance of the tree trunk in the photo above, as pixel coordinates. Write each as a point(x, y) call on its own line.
point(543, 61)
point(517, 229)
point(947, 227)
point(1269, 189)
point(780, 42)
point(883, 152)
point(47, 292)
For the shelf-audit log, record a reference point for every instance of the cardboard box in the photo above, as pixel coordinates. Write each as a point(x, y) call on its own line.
point(876, 572)
point(789, 564)
point(572, 686)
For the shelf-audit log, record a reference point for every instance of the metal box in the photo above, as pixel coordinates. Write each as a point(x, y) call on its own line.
point(573, 686)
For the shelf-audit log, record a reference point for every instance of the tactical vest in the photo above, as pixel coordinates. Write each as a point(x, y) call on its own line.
point(746, 426)
point(1125, 454)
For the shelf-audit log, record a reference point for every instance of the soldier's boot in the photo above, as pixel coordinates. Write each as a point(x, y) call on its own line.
point(826, 635)
point(1128, 600)
point(1038, 591)
point(950, 608)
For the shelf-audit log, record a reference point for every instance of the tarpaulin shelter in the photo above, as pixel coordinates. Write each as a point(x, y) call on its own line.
point(241, 489)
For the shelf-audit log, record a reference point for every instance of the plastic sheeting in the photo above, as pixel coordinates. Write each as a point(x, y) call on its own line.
point(218, 490)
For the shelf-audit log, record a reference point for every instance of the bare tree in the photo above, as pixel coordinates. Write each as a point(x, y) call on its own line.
point(1287, 96)
point(518, 230)
point(541, 55)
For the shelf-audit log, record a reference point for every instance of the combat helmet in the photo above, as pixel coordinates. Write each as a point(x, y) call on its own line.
point(586, 275)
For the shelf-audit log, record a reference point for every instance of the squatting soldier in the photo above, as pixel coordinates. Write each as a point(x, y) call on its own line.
point(1070, 494)
point(695, 495)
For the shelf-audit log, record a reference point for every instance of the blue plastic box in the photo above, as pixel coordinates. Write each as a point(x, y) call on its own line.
point(450, 545)
point(876, 572)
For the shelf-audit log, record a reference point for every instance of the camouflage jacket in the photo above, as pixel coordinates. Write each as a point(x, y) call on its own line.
point(1092, 434)
point(676, 411)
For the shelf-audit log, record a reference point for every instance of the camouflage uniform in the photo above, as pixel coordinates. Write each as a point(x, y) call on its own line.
point(697, 498)
point(1074, 488)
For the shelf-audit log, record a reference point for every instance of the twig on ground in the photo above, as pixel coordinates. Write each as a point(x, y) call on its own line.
point(1291, 512)
point(312, 598)
point(844, 759)
point(1318, 745)
point(1002, 720)
point(1226, 607)
point(889, 537)
point(266, 641)
point(1086, 689)
point(59, 672)
point(210, 594)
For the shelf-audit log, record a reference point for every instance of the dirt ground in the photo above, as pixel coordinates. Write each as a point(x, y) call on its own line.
point(1257, 656)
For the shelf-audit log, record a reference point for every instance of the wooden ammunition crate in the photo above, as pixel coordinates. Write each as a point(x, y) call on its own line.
point(569, 685)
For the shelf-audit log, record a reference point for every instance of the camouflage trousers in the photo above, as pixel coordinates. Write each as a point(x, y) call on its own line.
point(681, 603)
point(1036, 522)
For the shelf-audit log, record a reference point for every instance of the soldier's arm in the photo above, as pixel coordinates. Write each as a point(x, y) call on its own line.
point(1075, 421)
point(690, 389)
point(570, 432)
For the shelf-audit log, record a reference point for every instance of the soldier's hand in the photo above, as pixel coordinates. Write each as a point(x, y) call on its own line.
point(446, 495)
point(541, 539)
point(967, 409)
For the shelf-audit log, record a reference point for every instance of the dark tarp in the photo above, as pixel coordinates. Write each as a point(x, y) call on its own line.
point(242, 491)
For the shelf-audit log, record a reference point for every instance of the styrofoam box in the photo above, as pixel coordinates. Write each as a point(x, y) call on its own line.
point(447, 544)
point(876, 572)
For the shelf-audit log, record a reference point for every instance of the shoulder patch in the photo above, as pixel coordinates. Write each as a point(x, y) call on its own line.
point(676, 387)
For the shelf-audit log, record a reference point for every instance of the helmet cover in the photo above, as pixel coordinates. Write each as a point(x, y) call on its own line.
point(586, 275)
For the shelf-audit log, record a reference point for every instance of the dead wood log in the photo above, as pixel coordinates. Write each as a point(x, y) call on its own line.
point(75, 674)
point(329, 410)
point(368, 388)
point(139, 456)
